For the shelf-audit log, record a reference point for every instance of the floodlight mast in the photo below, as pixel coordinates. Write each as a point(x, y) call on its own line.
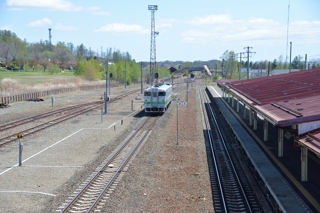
point(153, 61)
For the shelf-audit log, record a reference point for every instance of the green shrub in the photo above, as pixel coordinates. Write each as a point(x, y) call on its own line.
point(216, 77)
point(90, 73)
point(53, 69)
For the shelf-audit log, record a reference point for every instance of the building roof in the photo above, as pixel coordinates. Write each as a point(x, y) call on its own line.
point(312, 141)
point(285, 99)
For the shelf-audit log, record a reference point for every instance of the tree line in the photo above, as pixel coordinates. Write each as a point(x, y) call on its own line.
point(230, 64)
point(18, 54)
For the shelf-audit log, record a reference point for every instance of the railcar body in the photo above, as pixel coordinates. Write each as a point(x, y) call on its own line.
point(157, 98)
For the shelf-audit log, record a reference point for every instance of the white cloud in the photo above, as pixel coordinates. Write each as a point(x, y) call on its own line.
point(40, 23)
point(211, 19)
point(63, 5)
point(122, 28)
point(164, 25)
point(223, 29)
point(97, 11)
point(62, 27)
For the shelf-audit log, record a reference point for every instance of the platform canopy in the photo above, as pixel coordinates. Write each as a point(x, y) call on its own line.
point(285, 99)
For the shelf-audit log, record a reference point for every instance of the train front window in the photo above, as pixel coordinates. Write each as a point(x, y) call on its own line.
point(147, 93)
point(154, 94)
point(162, 93)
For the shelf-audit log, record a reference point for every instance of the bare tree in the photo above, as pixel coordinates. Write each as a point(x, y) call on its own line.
point(7, 50)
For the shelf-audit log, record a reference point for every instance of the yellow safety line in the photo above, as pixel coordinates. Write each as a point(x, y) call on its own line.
point(283, 168)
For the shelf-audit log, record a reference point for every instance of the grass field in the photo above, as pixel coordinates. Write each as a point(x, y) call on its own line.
point(32, 78)
point(12, 83)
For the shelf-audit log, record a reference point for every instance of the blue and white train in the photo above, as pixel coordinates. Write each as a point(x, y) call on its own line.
point(157, 98)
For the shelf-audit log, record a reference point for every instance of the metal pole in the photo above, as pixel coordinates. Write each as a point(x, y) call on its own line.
point(305, 62)
point(240, 65)
point(125, 74)
point(248, 63)
point(141, 77)
point(177, 121)
point(20, 152)
point(290, 56)
point(187, 89)
point(106, 94)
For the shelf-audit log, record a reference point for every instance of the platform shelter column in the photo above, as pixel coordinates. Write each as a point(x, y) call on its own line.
point(232, 102)
point(304, 163)
point(238, 104)
point(244, 111)
point(280, 142)
point(255, 122)
point(250, 117)
point(265, 130)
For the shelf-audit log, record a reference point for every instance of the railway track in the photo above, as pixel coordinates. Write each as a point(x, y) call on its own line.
point(34, 124)
point(93, 194)
point(232, 192)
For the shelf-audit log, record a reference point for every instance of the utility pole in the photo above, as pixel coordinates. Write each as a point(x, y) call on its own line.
point(248, 55)
point(287, 33)
point(106, 97)
point(290, 56)
point(153, 61)
point(239, 67)
point(50, 38)
point(305, 62)
point(125, 74)
point(141, 77)
point(223, 67)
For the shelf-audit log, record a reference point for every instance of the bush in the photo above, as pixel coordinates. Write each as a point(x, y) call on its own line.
point(53, 69)
point(90, 73)
point(216, 77)
point(185, 73)
point(88, 69)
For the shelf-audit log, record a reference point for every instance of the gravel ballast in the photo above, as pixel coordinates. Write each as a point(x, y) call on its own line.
point(163, 177)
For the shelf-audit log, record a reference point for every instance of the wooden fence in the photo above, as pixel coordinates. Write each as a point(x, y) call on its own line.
point(33, 95)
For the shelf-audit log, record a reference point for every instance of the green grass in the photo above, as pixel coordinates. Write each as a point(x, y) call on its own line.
point(32, 78)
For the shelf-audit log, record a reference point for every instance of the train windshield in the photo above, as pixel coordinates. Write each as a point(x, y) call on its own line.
point(162, 93)
point(147, 93)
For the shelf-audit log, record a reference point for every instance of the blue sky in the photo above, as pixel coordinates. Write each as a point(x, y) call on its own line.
point(188, 30)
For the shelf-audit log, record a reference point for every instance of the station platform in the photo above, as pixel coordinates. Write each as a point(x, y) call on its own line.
point(280, 189)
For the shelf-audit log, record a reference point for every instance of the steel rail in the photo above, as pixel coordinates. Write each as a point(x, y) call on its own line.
point(110, 158)
point(37, 117)
point(40, 127)
point(206, 119)
point(50, 123)
point(229, 157)
point(140, 140)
